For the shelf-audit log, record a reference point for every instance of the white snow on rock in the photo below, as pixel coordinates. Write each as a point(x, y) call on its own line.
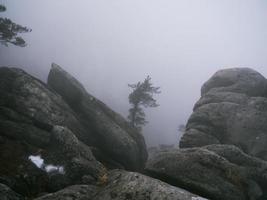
point(39, 162)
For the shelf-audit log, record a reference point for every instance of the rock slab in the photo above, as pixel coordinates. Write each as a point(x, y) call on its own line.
point(122, 185)
point(112, 134)
point(216, 171)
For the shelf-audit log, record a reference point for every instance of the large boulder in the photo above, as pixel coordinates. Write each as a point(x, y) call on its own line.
point(113, 135)
point(122, 185)
point(237, 80)
point(35, 121)
point(26, 100)
point(217, 172)
point(232, 110)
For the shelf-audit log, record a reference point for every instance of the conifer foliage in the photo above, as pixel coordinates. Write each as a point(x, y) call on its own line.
point(9, 31)
point(141, 97)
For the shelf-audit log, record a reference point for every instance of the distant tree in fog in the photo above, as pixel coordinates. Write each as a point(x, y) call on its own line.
point(9, 31)
point(141, 97)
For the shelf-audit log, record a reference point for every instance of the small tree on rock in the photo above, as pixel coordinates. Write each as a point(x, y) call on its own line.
point(141, 97)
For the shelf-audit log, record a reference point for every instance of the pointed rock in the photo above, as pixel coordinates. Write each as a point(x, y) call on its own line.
point(114, 136)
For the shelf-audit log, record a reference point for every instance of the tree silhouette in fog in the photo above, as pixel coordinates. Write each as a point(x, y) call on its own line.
point(9, 31)
point(141, 97)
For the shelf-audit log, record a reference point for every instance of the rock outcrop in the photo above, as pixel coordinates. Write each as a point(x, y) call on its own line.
point(48, 132)
point(26, 100)
point(36, 121)
point(217, 172)
point(122, 185)
point(112, 134)
point(232, 110)
point(59, 142)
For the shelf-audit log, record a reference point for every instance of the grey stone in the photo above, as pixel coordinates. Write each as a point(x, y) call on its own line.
point(122, 185)
point(27, 101)
point(75, 192)
point(232, 110)
point(76, 157)
point(114, 136)
point(238, 80)
point(217, 172)
point(34, 120)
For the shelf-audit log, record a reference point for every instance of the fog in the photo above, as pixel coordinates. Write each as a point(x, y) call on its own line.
point(107, 44)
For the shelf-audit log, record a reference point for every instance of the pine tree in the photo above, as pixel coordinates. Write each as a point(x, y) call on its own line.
point(9, 31)
point(141, 97)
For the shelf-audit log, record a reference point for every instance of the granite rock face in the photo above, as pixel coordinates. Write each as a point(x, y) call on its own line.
point(232, 110)
point(225, 139)
point(112, 133)
point(217, 172)
point(35, 121)
point(48, 132)
point(122, 185)
point(222, 157)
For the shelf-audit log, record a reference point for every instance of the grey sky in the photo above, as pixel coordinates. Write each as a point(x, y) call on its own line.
point(108, 43)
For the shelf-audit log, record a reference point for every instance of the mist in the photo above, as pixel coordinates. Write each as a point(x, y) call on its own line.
point(109, 44)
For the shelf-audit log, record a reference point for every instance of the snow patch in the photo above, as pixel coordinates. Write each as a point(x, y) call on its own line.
point(39, 162)
point(53, 168)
